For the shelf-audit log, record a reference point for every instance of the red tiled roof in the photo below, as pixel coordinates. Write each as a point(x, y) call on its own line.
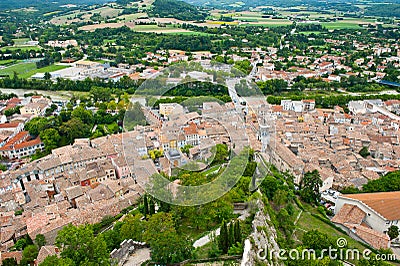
point(9, 125)
point(191, 129)
point(385, 203)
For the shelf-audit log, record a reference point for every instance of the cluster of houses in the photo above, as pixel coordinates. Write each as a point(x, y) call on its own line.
point(15, 142)
point(327, 66)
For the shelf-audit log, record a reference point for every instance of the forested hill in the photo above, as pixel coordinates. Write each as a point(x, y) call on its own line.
point(177, 9)
point(45, 4)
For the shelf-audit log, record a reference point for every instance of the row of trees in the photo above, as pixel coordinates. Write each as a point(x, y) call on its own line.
point(230, 238)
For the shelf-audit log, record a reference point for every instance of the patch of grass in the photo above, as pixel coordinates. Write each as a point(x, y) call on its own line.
point(310, 32)
point(20, 41)
point(51, 13)
point(131, 16)
point(50, 68)
point(7, 62)
point(308, 222)
point(20, 69)
point(22, 48)
point(340, 25)
point(194, 33)
point(275, 24)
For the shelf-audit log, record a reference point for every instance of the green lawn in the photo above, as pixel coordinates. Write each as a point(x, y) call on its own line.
point(276, 24)
point(308, 222)
point(20, 68)
point(26, 70)
point(340, 25)
point(50, 68)
point(22, 48)
point(20, 41)
point(7, 62)
point(310, 32)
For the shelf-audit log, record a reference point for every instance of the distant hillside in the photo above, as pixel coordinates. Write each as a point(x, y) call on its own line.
point(341, 5)
point(45, 4)
point(384, 10)
point(177, 9)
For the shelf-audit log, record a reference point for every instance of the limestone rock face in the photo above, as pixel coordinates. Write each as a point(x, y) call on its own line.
point(261, 241)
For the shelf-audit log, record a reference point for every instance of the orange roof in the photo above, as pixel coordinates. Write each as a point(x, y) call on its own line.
point(385, 203)
point(9, 125)
point(14, 100)
point(277, 108)
point(191, 129)
point(349, 214)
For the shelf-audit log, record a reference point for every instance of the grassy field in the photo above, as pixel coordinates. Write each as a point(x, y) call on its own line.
point(51, 13)
point(107, 12)
point(156, 29)
point(131, 16)
point(20, 41)
point(26, 70)
point(340, 25)
point(7, 62)
point(50, 68)
point(22, 48)
point(310, 32)
point(20, 69)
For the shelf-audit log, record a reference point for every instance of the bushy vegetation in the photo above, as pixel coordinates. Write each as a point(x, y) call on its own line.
point(177, 9)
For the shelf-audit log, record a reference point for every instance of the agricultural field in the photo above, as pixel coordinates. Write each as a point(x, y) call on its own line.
point(106, 25)
point(84, 16)
point(340, 25)
point(193, 33)
point(158, 29)
point(131, 17)
point(106, 12)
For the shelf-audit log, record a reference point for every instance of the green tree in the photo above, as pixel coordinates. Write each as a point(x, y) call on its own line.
point(56, 261)
point(364, 152)
point(310, 185)
point(134, 116)
point(393, 232)
point(47, 76)
point(100, 94)
point(316, 240)
point(280, 198)
point(40, 240)
point(86, 116)
point(238, 233)
point(224, 238)
point(51, 138)
point(37, 125)
point(3, 167)
point(132, 228)
point(160, 234)
point(73, 129)
point(152, 207)
point(231, 234)
point(9, 262)
point(29, 254)
point(81, 246)
point(145, 206)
